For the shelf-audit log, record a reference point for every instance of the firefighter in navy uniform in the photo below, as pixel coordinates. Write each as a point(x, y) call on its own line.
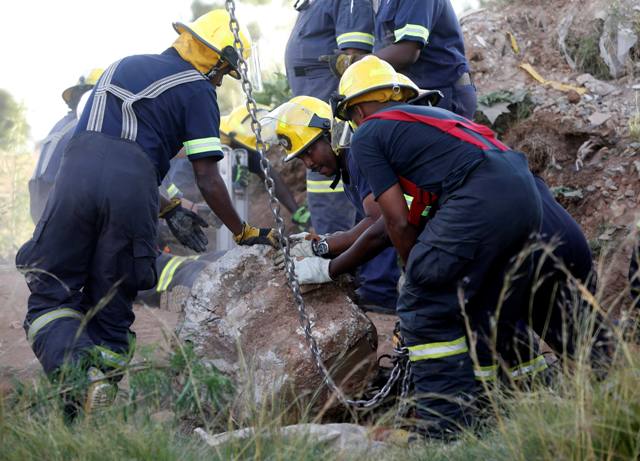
point(323, 26)
point(95, 244)
point(53, 145)
point(423, 40)
point(476, 185)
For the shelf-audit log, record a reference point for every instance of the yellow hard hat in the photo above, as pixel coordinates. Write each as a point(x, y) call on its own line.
point(213, 30)
point(85, 83)
point(237, 126)
point(296, 124)
point(371, 79)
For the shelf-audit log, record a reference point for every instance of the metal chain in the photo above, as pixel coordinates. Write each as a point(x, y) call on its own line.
point(274, 203)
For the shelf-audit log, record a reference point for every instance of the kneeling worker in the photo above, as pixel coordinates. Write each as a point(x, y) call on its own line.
point(476, 185)
point(95, 244)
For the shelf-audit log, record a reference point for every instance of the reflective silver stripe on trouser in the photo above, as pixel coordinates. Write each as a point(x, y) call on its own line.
point(49, 145)
point(43, 320)
point(96, 116)
point(528, 368)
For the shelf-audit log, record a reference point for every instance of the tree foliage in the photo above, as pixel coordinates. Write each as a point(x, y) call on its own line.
point(13, 124)
point(276, 90)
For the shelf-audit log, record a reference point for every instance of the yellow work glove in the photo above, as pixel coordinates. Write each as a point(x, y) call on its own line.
point(338, 62)
point(257, 236)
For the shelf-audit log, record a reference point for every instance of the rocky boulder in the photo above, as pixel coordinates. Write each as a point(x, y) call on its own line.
point(241, 318)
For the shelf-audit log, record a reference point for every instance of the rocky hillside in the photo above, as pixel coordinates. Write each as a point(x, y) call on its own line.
point(559, 80)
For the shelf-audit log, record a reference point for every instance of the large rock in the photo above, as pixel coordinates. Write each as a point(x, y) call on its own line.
point(241, 318)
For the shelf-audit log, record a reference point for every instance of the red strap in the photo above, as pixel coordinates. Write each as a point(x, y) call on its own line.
point(450, 126)
point(421, 200)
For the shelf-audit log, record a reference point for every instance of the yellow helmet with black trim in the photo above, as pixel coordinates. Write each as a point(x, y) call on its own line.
point(213, 30)
point(85, 83)
point(296, 124)
point(371, 80)
point(236, 126)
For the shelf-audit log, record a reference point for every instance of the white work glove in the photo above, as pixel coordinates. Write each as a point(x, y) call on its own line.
point(313, 270)
point(300, 246)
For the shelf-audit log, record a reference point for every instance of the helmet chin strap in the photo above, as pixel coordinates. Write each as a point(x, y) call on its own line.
point(215, 69)
point(341, 172)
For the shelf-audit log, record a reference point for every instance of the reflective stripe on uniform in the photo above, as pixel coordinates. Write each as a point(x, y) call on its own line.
point(412, 30)
point(438, 350)
point(488, 373)
point(533, 366)
point(323, 187)
point(129, 119)
point(43, 320)
point(173, 190)
point(360, 37)
point(166, 276)
point(112, 359)
point(197, 146)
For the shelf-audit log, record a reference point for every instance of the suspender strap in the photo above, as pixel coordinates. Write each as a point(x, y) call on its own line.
point(421, 200)
point(49, 145)
point(129, 119)
point(460, 128)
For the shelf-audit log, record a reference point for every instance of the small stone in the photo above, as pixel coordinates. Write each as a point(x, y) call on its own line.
point(573, 97)
point(598, 118)
point(584, 78)
point(591, 188)
point(629, 193)
point(605, 193)
point(610, 184)
point(16, 325)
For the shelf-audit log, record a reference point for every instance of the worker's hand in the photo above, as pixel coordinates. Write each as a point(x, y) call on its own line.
point(301, 217)
point(187, 226)
point(257, 236)
point(301, 245)
point(312, 270)
point(240, 174)
point(338, 62)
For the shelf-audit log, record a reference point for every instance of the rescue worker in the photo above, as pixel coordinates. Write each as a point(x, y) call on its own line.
point(54, 144)
point(423, 40)
point(95, 244)
point(475, 186)
point(320, 28)
point(235, 132)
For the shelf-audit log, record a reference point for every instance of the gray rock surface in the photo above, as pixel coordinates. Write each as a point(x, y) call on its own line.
point(241, 317)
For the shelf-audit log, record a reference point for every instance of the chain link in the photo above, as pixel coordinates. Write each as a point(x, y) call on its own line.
point(289, 268)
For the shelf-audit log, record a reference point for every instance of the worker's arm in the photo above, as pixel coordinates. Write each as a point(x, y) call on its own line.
point(369, 245)
point(342, 241)
point(214, 192)
point(400, 55)
point(396, 217)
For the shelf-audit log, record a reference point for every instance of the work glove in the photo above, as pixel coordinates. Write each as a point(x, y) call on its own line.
point(338, 62)
point(301, 217)
point(240, 175)
point(312, 270)
point(257, 236)
point(301, 245)
point(186, 226)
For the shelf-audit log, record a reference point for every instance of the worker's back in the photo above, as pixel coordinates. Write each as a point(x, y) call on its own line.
point(183, 112)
